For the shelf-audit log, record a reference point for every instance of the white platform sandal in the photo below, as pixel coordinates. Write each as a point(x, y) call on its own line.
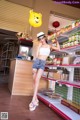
point(33, 105)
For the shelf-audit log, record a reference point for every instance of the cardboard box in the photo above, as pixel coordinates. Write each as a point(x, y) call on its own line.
point(65, 77)
point(65, 103)
point(68, 59)
point(74, 108)
point(57, 75)
point(50, 75)
point(71, 105)
point(51, 71)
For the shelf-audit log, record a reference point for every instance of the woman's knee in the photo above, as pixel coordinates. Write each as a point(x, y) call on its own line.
point(34, 72)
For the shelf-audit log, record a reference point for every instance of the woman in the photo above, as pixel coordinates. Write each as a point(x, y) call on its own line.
point(42, 53)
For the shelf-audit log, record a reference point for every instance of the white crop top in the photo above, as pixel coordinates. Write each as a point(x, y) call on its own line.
point(44, 51)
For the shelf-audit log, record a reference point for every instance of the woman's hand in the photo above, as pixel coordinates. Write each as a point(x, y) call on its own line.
point(57, 46)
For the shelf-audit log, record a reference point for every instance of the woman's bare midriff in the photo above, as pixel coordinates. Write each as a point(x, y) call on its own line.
point(42, 57)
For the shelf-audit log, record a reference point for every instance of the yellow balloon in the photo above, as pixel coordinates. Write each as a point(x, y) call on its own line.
point(35, 19)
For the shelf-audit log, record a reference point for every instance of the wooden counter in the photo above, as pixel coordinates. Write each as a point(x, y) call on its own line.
point(20, 78)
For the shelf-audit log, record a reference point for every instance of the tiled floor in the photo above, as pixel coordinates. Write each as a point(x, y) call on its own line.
point(17, 107)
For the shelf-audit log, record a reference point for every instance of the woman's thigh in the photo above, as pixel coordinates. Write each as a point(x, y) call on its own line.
point(39, 73)
point(34, 72)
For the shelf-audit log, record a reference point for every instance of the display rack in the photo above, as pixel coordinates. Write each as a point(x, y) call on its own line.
point(64, 65)
point(62, 110)
point(72, 86)
point(8, 52)
point(65, 35)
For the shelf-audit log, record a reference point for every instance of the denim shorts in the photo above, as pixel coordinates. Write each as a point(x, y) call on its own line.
point(39, 64)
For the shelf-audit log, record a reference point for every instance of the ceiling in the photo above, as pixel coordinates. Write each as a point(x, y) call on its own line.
point(62, 20)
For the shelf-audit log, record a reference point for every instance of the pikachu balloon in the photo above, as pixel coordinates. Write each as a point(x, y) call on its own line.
point(35, 19)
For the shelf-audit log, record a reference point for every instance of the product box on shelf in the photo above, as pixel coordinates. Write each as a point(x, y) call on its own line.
point(50, 75)
point(65, 77)
point(65, 102)
point(50, 72)
point(57, 75)
point(57, 61)
point(71, 105)
point(74, 108)
point(76, 60)
point(68, 59)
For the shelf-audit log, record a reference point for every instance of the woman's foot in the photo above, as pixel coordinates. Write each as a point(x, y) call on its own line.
point(37, 102)
point(33, 105)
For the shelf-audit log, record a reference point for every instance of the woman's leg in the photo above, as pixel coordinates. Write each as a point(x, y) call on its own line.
point(34, 102)
point(34, 72)
point(34, 78)
point(36, 85)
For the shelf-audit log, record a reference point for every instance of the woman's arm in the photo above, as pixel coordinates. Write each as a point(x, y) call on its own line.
point(57, 46)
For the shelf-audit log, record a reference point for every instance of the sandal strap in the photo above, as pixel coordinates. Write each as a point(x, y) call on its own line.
point(34, 104)
point(33, 107)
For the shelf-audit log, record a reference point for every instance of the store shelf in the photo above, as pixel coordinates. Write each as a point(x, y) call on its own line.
point(67, 50)
point(74, 84)
point(56, 52)
point(6, 58)
point(25, 42)
point(65, 35)
point(67, 86)
point(71, 48)
point(64, 65)
point(55, 104)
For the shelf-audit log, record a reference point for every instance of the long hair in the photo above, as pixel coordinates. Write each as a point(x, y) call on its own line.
point(46, 40)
